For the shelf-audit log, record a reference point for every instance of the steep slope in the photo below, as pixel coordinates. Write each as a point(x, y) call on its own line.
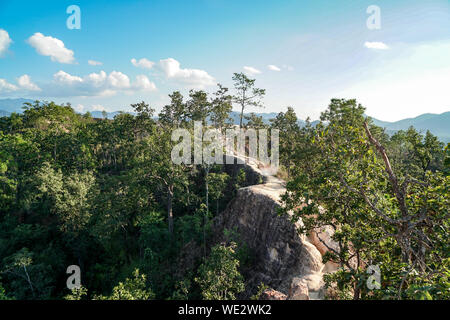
point(283, 260)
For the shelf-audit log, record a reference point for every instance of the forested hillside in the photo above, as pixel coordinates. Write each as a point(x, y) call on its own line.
point(97, 193)
point(105, 195)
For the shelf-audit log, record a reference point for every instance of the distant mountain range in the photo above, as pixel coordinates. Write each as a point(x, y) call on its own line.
point(8, 106)
point(438, 124)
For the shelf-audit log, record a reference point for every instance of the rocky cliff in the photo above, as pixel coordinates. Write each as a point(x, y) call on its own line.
point(284, 260)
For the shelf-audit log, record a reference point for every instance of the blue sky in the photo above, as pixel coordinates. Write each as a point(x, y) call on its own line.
point(303, 52)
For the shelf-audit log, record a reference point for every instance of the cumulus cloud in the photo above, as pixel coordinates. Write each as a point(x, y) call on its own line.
point(26, 83)
point(251, 71)
point(51, 47)
point(118, 80)
point(95, 63)
point(273, 67)
point(143, 83)
point(62, 77)
point(98, 84)
point(98, 107)
point(94, 79)
point(5, 86)
point(192, 77)
point(142, 63)
point(172, 70)
point(5, 41)
point(376, 45)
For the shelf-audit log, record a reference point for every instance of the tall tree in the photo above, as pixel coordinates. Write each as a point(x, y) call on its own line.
point(287, 123)
point(247, 94)
point(198, 106)
point(221, 106)
point(144, 117)
point(174, 114)
point(158, 162)
point(380, 215)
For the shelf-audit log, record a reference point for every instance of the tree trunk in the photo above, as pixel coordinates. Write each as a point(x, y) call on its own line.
point(356, 293)
point(242, 114)
point(169, 209)
point(205, 218)
point(29, 280)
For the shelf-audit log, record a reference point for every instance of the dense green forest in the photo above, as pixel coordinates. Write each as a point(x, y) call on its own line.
point(105, 195)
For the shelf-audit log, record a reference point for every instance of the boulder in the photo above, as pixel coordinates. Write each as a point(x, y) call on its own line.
point(271, 294)
point(298, 290)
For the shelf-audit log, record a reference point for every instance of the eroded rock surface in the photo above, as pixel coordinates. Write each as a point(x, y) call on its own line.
point(283, 260)
point(271, 294)
point(299, 290)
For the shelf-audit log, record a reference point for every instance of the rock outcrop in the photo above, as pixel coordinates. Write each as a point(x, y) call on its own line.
point(299, 290)
point(284, 260)
point(271, 294)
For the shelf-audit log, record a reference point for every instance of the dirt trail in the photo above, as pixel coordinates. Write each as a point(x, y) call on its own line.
point(273, 187)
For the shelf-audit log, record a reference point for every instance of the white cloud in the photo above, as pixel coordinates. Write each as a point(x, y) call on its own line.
point(95, 107)
point(98, 84)
point(95, 63)
point(251, 71)
point(376, 45)
point(62, 77)
point(273, 67)
point(142, 63)
point(96, 79)
point(26, 83)
point(143, 83)
point(5, 86)
point(98, 107)
point(118, 80)
point(52, 47)
point(5, 41)
point(193, 77)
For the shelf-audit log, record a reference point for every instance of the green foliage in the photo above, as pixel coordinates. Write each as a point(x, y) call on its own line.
point(247, 95)
point(217, 183)
point(3, 295)
point(287, 124)
point(255, 122)
point(68, 197)
point(242, 251)
point(261, 288)
point(219, 278)
point(77, 294)
point(103, 194)
point(27, 275)
point(220, 108)
point(181, 290)
point(391, 215)
point(173, 114)
point(198, 106)
point(132, 289)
